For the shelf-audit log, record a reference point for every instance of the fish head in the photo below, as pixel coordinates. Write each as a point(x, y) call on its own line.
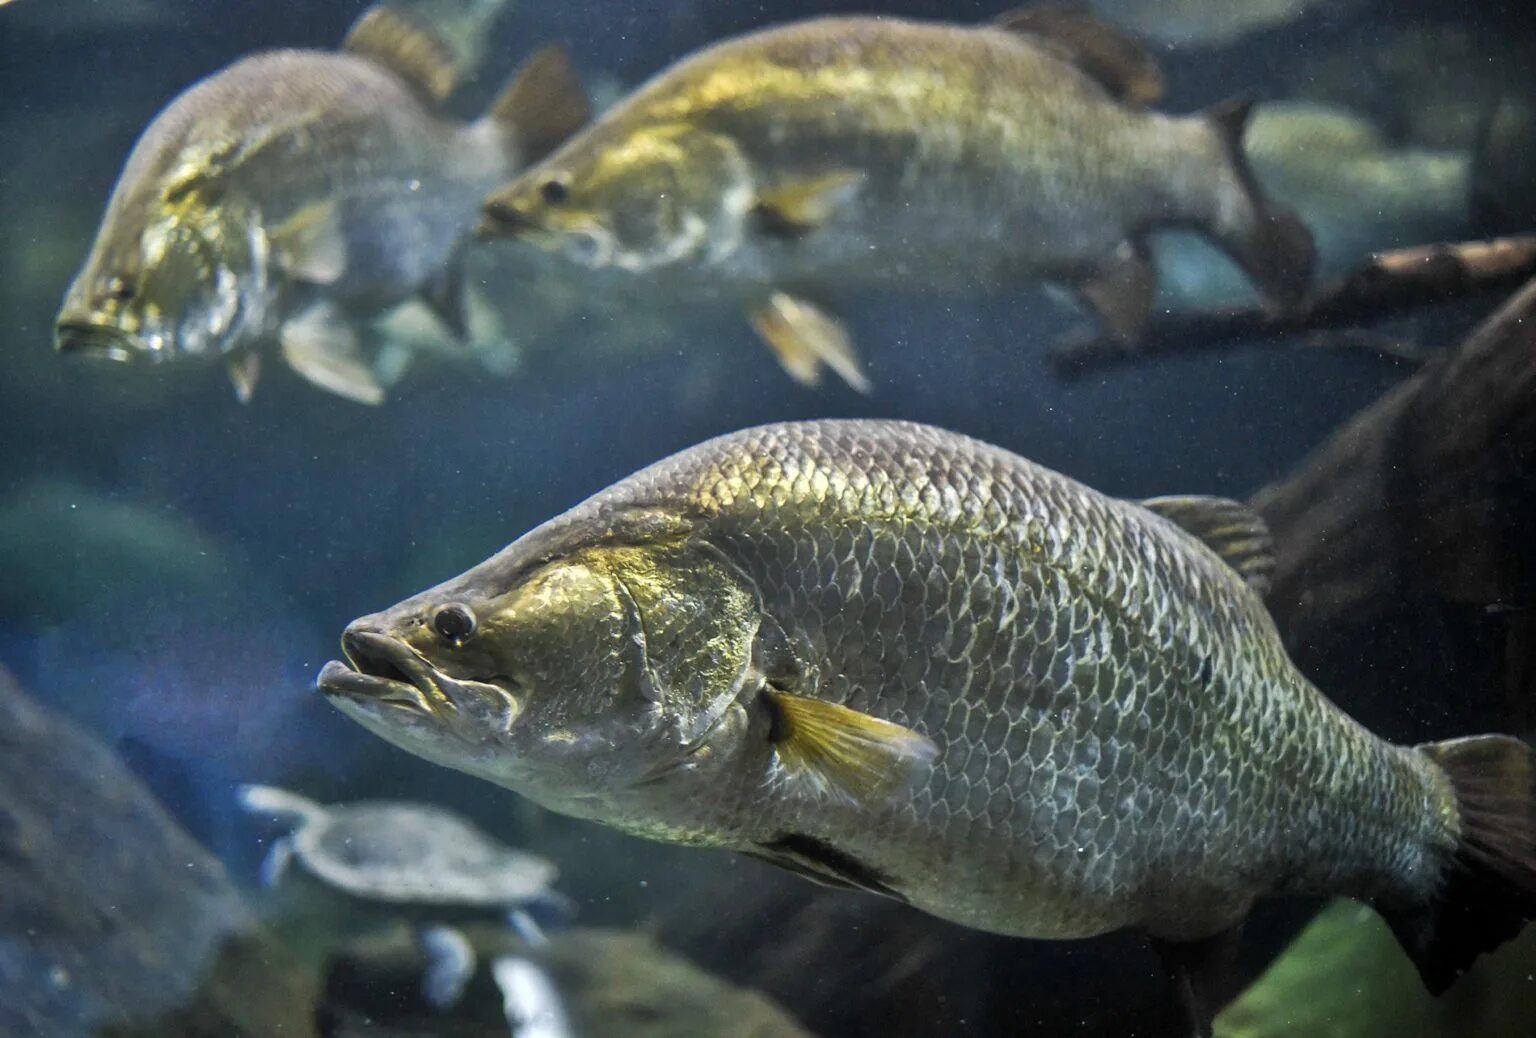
point(583, 683)
point(174, 272)
point(654, 197)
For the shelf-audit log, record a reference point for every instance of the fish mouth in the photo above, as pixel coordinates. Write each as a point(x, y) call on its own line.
point(97, 341)
point(384, 671)
point(503, 220)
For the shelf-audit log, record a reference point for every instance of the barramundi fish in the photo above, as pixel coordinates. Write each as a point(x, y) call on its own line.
point(834, 153)
point(896, 659)
point(295, 194)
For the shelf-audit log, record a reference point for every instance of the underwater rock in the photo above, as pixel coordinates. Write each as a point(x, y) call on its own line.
point(112, 917)
point(1504, 168)
point(1346, 977)
point(1427, 82)
point(613, 984)
point(1211, 23)
point(67, 548)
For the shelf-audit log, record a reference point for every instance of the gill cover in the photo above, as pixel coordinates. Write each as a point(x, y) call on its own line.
point(693, 619)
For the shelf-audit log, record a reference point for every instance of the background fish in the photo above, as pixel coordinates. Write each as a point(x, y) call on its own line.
point(295, 192)
point(895, 659)
point(845, 151)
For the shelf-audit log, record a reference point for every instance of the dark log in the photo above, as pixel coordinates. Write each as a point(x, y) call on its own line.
point(1428, 493)
point(1389, 284)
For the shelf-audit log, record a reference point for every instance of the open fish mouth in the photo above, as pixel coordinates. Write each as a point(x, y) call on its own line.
point(384, 671)
point(98, 341)
point(500, 220)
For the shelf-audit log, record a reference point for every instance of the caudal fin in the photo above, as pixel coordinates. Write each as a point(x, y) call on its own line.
point(1489, 892)
point(1269, 241)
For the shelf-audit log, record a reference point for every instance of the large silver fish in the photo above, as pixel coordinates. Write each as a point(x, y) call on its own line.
point(893, 658)
point(772, 169)
point(295, 193)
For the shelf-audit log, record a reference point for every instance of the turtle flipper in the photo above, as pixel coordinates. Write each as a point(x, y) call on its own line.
point(529, 999)
point(279, 803)
point(450, 964)
point(275, 865)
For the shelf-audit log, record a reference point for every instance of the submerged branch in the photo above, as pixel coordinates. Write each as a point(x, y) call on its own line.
point(1389, 284)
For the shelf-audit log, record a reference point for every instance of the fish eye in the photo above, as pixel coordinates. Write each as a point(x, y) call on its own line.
point(554, 191)
point(454, 623)
point(120, 289)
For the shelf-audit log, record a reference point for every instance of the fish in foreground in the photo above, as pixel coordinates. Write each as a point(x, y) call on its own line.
point(295, 194)
point(896, 659)
point(875, 151)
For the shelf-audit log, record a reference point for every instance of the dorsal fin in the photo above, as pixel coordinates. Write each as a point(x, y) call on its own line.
point(407, 48)
point(544, 104)
point(1119, 63)
point(1231, 529)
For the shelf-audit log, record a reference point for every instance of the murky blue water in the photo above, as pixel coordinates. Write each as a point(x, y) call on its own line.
point(175, 566)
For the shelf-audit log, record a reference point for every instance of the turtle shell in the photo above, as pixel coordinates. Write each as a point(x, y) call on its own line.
point(404, 852)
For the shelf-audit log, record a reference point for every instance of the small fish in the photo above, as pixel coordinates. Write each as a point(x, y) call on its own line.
point(895, 659)
point(846, 151)
point(297, 193)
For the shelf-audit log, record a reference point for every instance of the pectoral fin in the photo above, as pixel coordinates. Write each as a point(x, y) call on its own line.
point(795, 207)
point(830, 750)
point(244, 373)
point(1231, 529)
point(310, 246)
point(804, 337)
point(322, 347)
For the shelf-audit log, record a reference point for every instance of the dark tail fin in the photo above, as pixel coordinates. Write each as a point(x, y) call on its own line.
point(1270, 242)
point(1489, 891)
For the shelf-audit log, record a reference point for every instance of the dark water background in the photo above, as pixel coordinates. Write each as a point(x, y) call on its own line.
point(310, 511)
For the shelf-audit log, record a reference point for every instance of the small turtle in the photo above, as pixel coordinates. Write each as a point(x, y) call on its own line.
point(409, 854)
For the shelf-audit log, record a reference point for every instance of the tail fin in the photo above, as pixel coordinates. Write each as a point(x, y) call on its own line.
point(542, 106)
point(1270, 242)
point(1489, 892)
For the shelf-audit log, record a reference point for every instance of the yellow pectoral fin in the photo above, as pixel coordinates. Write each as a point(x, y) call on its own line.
point(797, 206)
point(309, 244)
point(830, 749)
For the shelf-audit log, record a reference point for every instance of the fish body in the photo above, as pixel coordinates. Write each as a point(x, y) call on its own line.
point(896, 659)
point(855, 151)
point(291, 196)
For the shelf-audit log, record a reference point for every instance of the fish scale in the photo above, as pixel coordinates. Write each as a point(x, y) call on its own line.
point(1085, 623)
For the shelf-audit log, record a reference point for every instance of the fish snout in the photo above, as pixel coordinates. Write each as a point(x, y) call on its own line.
point(88, 339)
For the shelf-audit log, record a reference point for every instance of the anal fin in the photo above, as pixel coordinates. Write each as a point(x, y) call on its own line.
point(1122, 290)
point(1204, 974)
point(804, 337)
